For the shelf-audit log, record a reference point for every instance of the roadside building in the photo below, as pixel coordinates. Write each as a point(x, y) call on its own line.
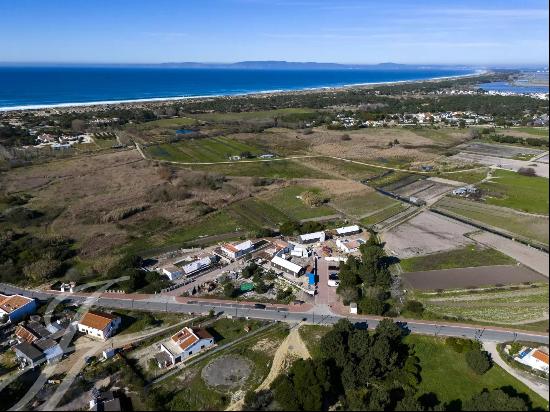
point(172, 272)
point(199, 265)
point(105, 401)
point(98, 324)
point(16, 307)
point(235, 251)
point(286, 266)
point(534, 358)
point(50, 349)
point(349, 246)
point(183, 344)
point(348, 230)
point(24, 334)
point(312, 237)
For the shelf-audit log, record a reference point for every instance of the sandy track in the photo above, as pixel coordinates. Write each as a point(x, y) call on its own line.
point(291, 348)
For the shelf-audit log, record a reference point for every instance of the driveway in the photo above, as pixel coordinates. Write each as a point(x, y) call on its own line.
point(533, 384)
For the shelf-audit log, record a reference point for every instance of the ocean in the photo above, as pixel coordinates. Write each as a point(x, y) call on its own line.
point(36, 87)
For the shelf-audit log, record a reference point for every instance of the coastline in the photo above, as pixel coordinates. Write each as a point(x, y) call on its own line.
point(138, 102)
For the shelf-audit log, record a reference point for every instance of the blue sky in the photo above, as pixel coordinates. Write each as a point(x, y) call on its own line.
point(485, 32)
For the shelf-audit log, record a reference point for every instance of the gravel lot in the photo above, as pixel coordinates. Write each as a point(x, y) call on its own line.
point(227, 371)
point(498, 150)
point(510, 164)
point(424, 234)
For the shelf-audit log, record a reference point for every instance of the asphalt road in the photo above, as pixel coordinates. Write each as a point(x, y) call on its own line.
point(161, 304)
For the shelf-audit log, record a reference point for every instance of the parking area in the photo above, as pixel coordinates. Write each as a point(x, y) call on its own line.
point(499, 150)
point(541, 169)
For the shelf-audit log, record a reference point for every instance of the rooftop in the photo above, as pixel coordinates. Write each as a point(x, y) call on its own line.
point(286, 264)
point(96, 320)
point(11, 303)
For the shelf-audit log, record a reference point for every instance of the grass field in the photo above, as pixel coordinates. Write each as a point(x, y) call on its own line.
point(212, 149)
point(279, 169)
point(535, 131)
point(343, 168)
point(446, 373)
point(470, 256)
point(472, 177)
point(362, 204)
point(383, 214)
point(259, 116)
point(286, 201)
point(443, 136)
point(510, 189)
point(507, 219)
point(168, 123)
point(257, 213)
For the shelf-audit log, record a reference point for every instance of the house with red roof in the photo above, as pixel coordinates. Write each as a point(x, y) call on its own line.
point(185, 343)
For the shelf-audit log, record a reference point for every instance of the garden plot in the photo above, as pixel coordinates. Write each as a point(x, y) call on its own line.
point(426, 233)
point(471, 277)
point(498, 150)
point(426, 190)
point(541, 169)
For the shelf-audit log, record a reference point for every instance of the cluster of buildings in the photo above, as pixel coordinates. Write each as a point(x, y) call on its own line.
point(61, 142)
point(184, 268)
point(465, 191)
point(38, 343)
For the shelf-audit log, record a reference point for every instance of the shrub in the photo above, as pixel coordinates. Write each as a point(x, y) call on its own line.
point(479, 361)
point(414, 306)
point(527, 171)
point(345, 137)
point(462, 345)
point(313, 199)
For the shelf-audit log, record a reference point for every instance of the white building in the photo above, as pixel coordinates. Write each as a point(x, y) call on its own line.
point(286, 266)
point(184, 344)
point(348, 230)
point(312, 237)
point(172, 272)
point(235, 251)
point(534, 358)
point(349, 246)
point(98, 324)
point(299, 251)
point(16, 307)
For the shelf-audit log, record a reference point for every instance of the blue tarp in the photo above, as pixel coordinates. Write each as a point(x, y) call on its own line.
point(311, 277)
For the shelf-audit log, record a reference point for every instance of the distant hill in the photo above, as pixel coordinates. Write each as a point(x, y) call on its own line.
point(284, 65)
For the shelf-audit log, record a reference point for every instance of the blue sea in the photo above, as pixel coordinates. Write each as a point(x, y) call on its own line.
point(34, 87)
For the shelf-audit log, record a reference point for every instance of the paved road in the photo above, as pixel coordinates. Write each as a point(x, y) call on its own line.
point(158, 303)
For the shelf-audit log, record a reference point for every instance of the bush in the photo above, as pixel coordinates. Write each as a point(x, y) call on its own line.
point(414, 306)
point(313, 199)
point(527, 171)
point(479, 361)
point(345, 137)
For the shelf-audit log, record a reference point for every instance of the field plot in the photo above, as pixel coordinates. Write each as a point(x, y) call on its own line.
point(344, 168)
point(430, 233)
point(257, 116)
point(498, 150)
point(286, 201)
point(528, 131)
point(362, 202)
point(284, 141)
point(168, 123)
point(212, 149)
point(426, 189)
point(470, 177)
point(278, 169)
point(383, 214)
point(257, 213)
point(509, 189)
point(471, 277)
point(395, 181)
point(541, 169)
point(506, 305)
point(531, 227)
point(445, 136)
point(469, 256)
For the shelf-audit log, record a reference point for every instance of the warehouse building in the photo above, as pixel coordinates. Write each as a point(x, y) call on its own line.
point(286, 266)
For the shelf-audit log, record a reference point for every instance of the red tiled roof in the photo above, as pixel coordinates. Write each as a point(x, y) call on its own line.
point(97, 320)
point(541, 356)
point(230, 247)
point(25, 334)
point(185, 338)
point(10, 303)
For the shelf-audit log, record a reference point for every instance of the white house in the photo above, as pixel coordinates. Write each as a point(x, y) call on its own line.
point(286, 266)
point(312, 237)
point(185, 343)
point(348, 230)
point(16, 307)
point(349, 246)
point(98, 324)
point(235, 251)
point(534, 358)
point(172, 271)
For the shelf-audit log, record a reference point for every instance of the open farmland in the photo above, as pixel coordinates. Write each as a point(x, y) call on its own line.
point(212, 149)
point(279, 169)
point(427, 190)
point(469, 256)
point(531, 227)
point(383, 214)
point(541, 169)
point(498, 150)
point(471, 277)
point(257, 213)
point(424, 234)
point(286, 201)
point(510, 189)
point(252, 116)
point(361, 202)
point(343, 168)
point(512, 305)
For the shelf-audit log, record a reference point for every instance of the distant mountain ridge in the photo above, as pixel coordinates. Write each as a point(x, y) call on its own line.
point(285, 65)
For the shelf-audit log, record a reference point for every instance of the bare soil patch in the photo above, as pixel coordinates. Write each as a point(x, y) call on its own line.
point(471, 277)
point(226, 372)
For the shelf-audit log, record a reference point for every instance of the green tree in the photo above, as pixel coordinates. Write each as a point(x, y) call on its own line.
point(495, 400)
point(479, 361)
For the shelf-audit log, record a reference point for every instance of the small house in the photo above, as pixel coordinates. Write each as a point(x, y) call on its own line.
point(16, 307)
point(99, 325)
point(185, 343)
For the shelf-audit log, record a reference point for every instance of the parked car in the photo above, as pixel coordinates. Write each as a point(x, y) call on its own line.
point(333, 280)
